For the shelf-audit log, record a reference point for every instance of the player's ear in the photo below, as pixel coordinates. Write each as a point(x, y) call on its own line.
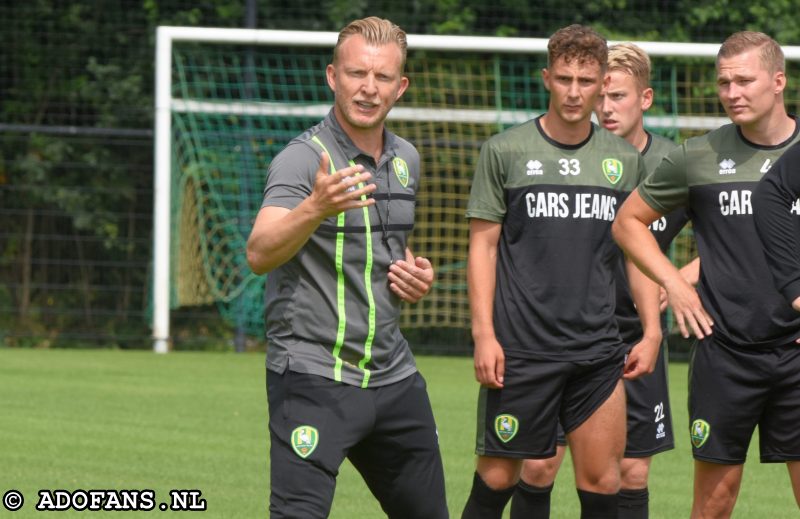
point(403, 87)
point(780, 81)
point(647, 99)
point(330, 74)
point(546, 79)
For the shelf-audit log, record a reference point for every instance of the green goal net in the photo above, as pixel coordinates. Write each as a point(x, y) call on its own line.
point(234, 106)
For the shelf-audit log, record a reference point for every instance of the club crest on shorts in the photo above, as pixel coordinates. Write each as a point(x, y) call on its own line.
point(400, 170)
point(700, 432)
point(506, 427)
point(304, 440)
point(612, 169)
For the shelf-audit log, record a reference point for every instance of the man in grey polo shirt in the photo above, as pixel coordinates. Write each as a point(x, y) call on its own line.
point(332, 230)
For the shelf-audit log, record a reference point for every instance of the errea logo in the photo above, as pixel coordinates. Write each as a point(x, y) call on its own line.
point(727, 167)
point(534, 167)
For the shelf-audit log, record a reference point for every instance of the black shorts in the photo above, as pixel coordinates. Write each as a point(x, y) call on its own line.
point(521, 419)
point(733, 389)
point(648, 411)
point(387, 432)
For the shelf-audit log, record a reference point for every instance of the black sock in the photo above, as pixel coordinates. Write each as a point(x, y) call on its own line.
point(598, 506)
point(633, 503)
point(485, 503)
point(530, 502)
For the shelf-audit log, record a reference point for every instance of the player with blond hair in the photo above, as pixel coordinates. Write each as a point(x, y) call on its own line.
point(332, 231)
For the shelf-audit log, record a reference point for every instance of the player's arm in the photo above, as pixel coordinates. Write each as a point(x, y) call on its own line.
point(411, 278)
point(633, 236)
point(481, 282)
point(278, 233)
point(690, 272)
point(777, 227)
point(645, 293)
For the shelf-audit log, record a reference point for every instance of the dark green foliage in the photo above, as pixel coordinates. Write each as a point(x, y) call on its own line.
point(76, 84)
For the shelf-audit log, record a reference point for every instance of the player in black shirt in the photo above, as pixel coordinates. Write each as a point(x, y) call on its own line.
point(747, 372)
point(627, 95)
point(541, 286)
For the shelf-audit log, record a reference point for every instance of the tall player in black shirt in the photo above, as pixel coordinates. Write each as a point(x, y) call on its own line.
point(627, 95)
point(747, 372)
point(541, 286)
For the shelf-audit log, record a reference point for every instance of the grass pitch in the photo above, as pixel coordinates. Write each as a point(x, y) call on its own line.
point(104, 419)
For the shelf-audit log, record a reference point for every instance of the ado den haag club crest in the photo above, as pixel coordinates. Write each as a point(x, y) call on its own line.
point(401, 171)
point(506, 427)
point(304, 440)
point(700, 432)
point(612, 169)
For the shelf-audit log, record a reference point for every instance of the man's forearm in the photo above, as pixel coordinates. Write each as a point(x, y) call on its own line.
point(279, 234)
point(645, 294)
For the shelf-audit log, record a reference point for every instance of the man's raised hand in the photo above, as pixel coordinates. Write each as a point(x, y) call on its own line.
point(340, 191)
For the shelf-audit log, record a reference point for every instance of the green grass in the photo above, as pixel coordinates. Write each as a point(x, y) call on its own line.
point(133, 420)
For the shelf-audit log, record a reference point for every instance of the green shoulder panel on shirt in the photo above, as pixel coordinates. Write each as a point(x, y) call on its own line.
point(719, 157)
point(665, 189)
point(611, 151)
point(522, 156)
point(713, 158)
point(494, 172)
point(658, 149)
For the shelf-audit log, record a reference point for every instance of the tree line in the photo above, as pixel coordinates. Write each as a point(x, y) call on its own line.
point(76, 83)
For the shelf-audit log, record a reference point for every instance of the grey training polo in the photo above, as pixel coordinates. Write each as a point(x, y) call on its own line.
point(329, 309)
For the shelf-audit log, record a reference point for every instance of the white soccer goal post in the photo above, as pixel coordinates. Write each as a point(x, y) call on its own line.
point(172, 100)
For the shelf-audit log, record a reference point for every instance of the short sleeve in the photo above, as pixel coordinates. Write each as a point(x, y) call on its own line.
point(291, 176)
point(487, 195)
point(666, 189)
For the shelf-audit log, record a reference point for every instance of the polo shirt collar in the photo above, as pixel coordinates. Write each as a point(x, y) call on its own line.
point(350, 149)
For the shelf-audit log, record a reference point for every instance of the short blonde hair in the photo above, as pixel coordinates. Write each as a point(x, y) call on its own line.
point(631, 59)
point(376, 31)
point(771, 53)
